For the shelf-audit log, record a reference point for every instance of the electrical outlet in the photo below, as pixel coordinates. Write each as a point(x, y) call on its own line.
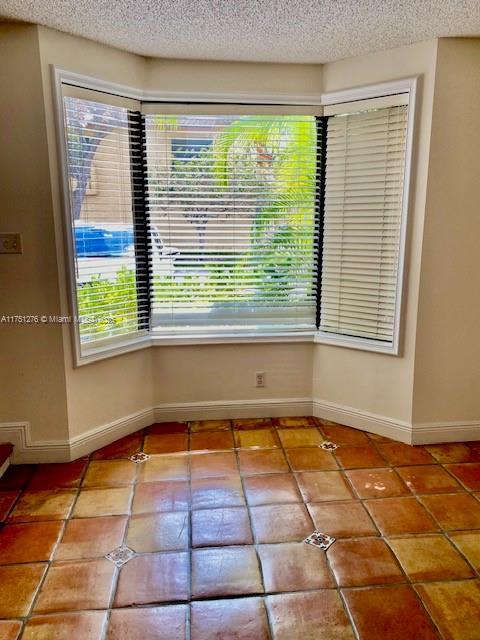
point(260, 379)
point(10, 243)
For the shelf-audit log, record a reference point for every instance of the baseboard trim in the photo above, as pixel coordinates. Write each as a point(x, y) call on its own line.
point(434, 432)
point(26, 450)
point(4, 466)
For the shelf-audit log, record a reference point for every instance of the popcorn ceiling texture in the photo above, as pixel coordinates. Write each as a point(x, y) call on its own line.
point(252, 30)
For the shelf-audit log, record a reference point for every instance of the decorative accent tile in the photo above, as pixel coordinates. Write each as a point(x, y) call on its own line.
point(120, 555)
point(320, 540)
point(139, 457)
point(328, 446)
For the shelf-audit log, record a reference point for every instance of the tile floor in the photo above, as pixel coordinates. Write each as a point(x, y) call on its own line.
point(214, 522)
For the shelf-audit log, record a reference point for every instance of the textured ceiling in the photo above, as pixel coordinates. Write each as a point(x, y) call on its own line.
point(256, 30)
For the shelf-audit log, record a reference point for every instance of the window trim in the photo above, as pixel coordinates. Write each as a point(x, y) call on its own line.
point(140, 340)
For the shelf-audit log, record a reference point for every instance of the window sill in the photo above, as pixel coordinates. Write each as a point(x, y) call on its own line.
point(236, 338)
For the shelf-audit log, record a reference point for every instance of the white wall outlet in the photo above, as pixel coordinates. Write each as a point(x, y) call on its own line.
point(260, 378)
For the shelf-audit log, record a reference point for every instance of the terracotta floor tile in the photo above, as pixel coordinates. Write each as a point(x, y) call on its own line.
point(29, 542)
point(297, 421)
point(429, 558)
point(212, 465)
point(428, 478)
point(18, 586)
point(278, 488)
point(91, 537)
point(211, 440)
point(251, 423)
point(294, 566)
point(217, 527)
point(225, 571)
point(257, 462)
point(342, 519)
point(399, 454)
point(149, 623)
point(167, 427)
point(17, 476)
point(241, 619)
point(149, 532)
point(10, 629)
point(292, 438)
point(7, 500)
point(389, 613)
point(377, 437)
point(69, 586)
point(161, 496)
point(58, 476)
point(160, 468)
point(109, 473)
point(359, 457)
point(454, 452)
point(400, 515)
point(343, 435)
point(257, 439)
point(212, 493)
point(316, 615)
point(454, 511)
point(166, 443)
point(377, 483)
point(87, 625)
point(362, 562)
point(154, 578)
point(43, 505)
point(469, 544)
point(210, 425)
point(454, 607)
point(281, 523)
point(311, 459)
point(122, 448)
point(323, 486)
point(103, 502)
point(468, 474)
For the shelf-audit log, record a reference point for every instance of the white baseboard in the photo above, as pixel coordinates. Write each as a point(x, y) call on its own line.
point(4, 466)
point(434, 432)
point(26, 450)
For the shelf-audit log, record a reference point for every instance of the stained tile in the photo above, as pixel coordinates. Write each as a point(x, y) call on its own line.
point(87, 625)
point(297, 421)
point(7, 500)
point(43, 505)
point(362, 562)
point(225, 571)
point(389, 613)
point(399, 454)
point(58, 476)
point(16, 476)
point(210, 425)
point(211, 493)
point(377, 483)
point(161, 496)
point(167, 427)
point(429, 558)
point(166, 443)
point(10, 629)
point(240, 618)
point(28, 542)
point(358, 457)
point(310, 459)
point(315, 615)
point(343, 435)
point(322, 486)
point(91, 537)
point(454, 452)
point(148, 532)
point(469, 544)
point(342, 519)
point(454, 607)
point(122, 448)
point(211, 465)
point(160, 468)
point(155, 578)
point(292, 438)
point(211, 440)
point(243, 424)
point(468, 474)
point(428, 478)
point(69, 586)
point(18, 586)
point(149, 623)
point(280, 523)
point(217, 527)
point(378, 438)
point(454, 511)
point(257, 462)
point(103, 502)
point(257, 438)
point(294, 566)
point(400, 515)
point(109, 473)
point(276, 488)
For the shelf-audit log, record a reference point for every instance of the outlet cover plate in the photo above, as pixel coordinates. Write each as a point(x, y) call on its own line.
point(10, 243)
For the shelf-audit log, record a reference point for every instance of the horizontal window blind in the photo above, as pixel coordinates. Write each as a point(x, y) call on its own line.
point(232, 204)
point(365, 162)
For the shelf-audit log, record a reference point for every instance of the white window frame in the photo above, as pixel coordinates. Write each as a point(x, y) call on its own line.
point(123, 344)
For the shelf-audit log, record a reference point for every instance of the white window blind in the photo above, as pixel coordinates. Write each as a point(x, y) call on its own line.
point(232, 204)
point(364, 185)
